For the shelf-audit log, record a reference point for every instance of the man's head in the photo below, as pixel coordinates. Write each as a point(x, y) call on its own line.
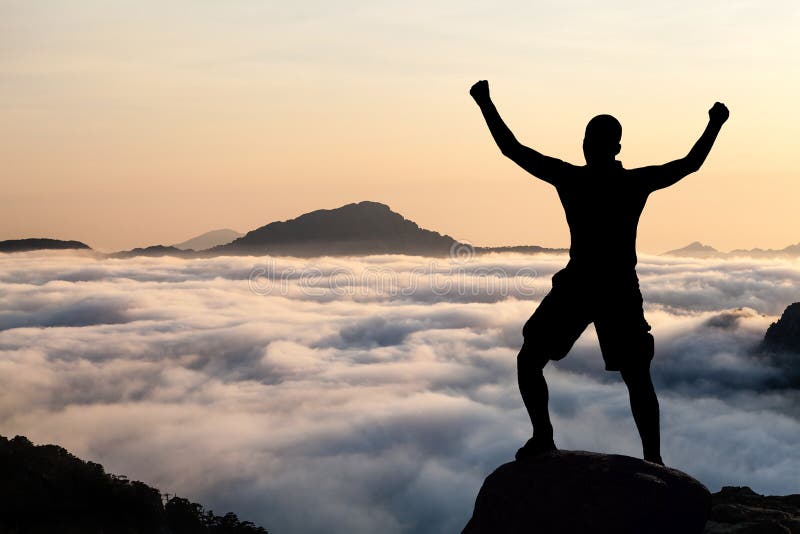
point(601, 142)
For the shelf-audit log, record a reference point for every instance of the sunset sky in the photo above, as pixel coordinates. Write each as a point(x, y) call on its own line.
point(128, 123)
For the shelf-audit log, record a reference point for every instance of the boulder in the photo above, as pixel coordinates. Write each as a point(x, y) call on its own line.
point(576, 491)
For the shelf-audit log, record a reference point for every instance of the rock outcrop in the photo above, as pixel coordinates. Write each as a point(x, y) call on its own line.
point(781, 347)
point(739, 510)
point(784, 335)
point(577, 492)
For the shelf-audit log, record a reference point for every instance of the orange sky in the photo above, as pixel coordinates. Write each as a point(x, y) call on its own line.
point(130, 124)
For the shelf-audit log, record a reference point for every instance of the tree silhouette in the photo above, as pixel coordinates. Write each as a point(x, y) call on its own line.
point(45, 489)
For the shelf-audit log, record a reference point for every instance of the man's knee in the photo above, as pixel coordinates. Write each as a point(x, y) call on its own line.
point(531, 358)
point(637, 376)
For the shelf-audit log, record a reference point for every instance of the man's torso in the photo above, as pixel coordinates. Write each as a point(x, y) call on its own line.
point(602, 207)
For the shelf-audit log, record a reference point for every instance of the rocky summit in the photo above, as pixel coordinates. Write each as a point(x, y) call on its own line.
point(784, 335)
point(577, 492)
point(740, 510)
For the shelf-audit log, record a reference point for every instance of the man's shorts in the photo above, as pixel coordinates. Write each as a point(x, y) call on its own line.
point(614, 305)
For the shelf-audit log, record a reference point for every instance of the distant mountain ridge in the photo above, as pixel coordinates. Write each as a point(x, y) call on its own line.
point(521, 249)
point(209, 239)
point(155, 251)
point(359, 228)
point(40, 243)
point(697, 249)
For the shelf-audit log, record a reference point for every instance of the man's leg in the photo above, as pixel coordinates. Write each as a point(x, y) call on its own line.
point(644, 405)
point(549, 334)
point(628, 346)
point(533, 387)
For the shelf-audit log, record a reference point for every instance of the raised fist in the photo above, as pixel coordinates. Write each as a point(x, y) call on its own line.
point(718, 113)
point(480, 90)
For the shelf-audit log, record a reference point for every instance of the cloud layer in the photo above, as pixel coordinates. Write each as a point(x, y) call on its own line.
point(371, 394)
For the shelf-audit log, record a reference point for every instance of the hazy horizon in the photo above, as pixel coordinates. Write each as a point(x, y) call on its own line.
point(212, 230)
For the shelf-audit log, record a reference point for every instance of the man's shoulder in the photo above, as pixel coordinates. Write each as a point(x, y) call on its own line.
point(594, 174)
point(571, 174)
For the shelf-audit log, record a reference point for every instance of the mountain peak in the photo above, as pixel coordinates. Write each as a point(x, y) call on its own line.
point(364, 227)
point(695, 249)
point(369, 204)
point(209, 239)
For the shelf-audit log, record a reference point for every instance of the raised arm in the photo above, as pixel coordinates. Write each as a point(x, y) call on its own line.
point(543, 167)
point(661, 176)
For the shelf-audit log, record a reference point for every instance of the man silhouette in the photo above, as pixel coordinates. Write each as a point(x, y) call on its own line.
point(602, 202)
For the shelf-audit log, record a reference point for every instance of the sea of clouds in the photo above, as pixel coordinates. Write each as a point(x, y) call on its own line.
point(372, 394)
